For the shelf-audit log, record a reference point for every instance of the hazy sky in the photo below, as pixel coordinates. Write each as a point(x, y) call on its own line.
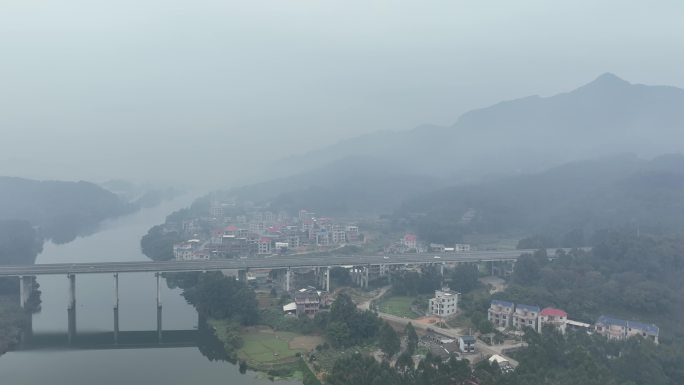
point(203, 89)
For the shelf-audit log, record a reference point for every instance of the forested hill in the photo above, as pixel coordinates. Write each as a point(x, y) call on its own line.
point(577, 198)
point(59, 210)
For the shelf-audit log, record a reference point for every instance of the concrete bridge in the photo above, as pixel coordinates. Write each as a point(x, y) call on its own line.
point(361, 266)
point(274, 262)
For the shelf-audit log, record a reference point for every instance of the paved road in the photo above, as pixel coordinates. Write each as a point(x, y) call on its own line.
point(260, 262)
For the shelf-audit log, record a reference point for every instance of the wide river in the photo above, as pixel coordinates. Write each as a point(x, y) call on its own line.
point(117, 240)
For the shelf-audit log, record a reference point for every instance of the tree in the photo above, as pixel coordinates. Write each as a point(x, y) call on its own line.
point(338, 333)
point(218, 296)
point(339, 276)
point(411, 338)
point(464, 278)
point(388, 340)
point(343, 308)
point(404, 362)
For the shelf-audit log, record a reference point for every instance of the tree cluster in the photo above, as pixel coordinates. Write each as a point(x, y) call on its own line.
point(411, 283)
point(221, 297)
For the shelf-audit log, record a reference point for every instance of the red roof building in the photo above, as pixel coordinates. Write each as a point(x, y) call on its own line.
point(550, 311)
point(553, 317)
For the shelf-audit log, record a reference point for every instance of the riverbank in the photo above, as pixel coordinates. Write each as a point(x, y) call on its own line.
point(13, 319)
point(263, 349)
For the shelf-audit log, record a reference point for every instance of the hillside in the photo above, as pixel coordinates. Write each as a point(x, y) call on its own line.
point(60, 210)
point(579, 197)
point(605, 117)
point(353, 185)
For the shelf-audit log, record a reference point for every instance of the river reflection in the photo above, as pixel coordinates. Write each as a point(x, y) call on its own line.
point(187, 354)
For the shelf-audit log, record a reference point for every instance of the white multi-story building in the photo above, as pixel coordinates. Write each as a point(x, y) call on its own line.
point(445, 303)
point(525, 316)
point(500, 313)
point(462, 248)
point(264, 246)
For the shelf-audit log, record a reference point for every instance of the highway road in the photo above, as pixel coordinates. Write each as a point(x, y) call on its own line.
point(276, 261)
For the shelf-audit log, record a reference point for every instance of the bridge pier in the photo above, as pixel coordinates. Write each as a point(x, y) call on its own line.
point(367, 272)
point(242, 275)
point(25, 289)
point(288, 273)
point(159, 307)
point(116, 308)
point(71, 308)
point(327, 278)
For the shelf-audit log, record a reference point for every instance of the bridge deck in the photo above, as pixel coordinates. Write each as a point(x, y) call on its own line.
point(260, 262)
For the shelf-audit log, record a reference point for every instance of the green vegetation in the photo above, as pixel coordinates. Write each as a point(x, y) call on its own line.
point(221, 297)
point(579, 358)
point(624, 275)
point(13, 319)
point(346, 326)
point(413, 283)
point(399, 306)
point(157, 244)
point(567, 205)
point(230, 334)
point(19, 244)
point(360, 369)
point(388, 340)
point(411, 338)
point(264, 348)
point(464, 278)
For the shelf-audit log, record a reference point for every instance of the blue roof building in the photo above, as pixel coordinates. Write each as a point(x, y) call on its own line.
point(619, 329)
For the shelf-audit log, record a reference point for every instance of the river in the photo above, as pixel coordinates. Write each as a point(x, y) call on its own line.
point(117, 240)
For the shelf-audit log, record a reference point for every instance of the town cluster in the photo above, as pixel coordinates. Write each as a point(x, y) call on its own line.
point(262, 232)
point(504, 315)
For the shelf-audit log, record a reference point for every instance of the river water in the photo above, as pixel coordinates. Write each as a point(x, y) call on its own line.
point(117, 240)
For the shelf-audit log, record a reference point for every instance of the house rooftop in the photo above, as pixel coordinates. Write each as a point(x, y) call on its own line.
point(468, 339)
point(497, 302)
point(553, 311)
point(648, 328)
point(529, 308)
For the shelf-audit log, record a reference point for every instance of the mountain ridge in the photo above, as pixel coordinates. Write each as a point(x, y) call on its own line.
point(608, 115)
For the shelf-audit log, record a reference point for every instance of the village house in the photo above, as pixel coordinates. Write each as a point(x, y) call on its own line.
point(410, 241)
point(264, 246)
point(617, 329)
point(436, 248)
point(466, 344)
point(525, 316)
point(553, 317)
point(462, 248)
point(500, 313)
point(444, 304)
point(308, 302)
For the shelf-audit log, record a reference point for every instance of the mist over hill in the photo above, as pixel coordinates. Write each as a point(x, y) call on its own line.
point(60, 210)
point(351, 185)
point(606, 116)
point(573, 200)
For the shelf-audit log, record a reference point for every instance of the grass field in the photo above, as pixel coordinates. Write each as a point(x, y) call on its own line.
point(262, 346)
point(398, 306)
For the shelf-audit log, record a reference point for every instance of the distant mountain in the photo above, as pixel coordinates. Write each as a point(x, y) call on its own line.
point(351, 185)
point(575, 199)
point(61, 210)
point(607, 116)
